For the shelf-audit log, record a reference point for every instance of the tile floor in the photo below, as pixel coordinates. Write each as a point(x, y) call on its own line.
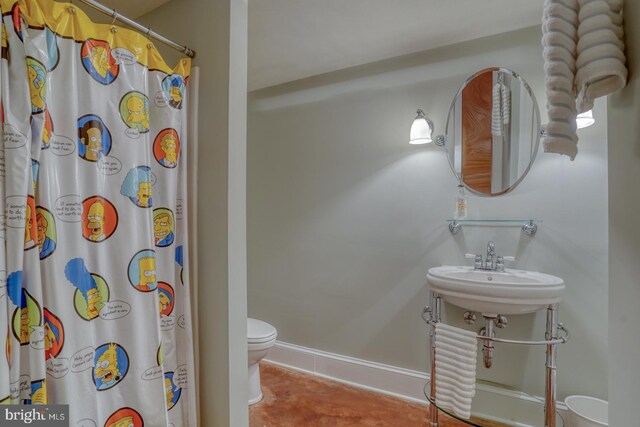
point(293, 399)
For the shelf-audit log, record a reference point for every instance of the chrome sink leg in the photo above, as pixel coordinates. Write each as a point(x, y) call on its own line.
point(436, 304)
point(550, 389)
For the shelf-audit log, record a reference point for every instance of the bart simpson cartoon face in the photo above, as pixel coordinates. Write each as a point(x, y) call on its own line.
point(95, 219)
point(93, 298)
point(43, 224)
point(144, 194)
point(169, 391)
point(107, 366)
point(39, 397)
point(163, 301)
point(176, 94)
point(123, 422)
point(36, 87)
point(138, 114)
point(147, 268)
point(168, 145)
point(94, 143)
point(100, 60)
point(49, 337)
point(28, 224)
point(161, 226)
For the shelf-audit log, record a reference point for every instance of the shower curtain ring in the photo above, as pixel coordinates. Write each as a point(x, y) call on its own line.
point(115, 16)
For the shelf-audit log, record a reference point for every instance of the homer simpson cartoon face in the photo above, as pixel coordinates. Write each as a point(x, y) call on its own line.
point(161, 226)
point(106, 369)
point(24, 325)
point(138, 114)
point(43, 224)
point(169, 392)
point(100, 60)
point(36, 88)
point(28, 224)
point(168, 145)
point(163, 301)
point(147, 280)
point(95, 222)
point(176, 94)
point(123, 422)
point(92, 139)
point(93, 298)
point(144, 194)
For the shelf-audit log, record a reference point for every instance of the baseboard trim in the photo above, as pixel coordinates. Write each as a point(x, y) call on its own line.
point(491, 402)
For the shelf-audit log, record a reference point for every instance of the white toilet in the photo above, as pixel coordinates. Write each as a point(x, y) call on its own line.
point(261, 337)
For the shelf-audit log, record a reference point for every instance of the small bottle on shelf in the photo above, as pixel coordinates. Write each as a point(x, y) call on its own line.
point(460, 211)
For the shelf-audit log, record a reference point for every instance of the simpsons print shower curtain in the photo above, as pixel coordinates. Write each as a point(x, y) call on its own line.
point(94, 299)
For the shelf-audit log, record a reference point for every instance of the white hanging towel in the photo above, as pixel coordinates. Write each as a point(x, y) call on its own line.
point(601, 68)
point(560, 38)
point(456, 356)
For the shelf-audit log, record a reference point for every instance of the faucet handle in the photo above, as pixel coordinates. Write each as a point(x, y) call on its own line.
point(500, 261)
point(477, 264)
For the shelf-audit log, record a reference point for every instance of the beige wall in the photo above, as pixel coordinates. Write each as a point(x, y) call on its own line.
point(217, 31)
point(345, 217)
point(624, 235)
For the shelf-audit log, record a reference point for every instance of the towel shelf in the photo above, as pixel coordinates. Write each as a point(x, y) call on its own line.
point(555, 334)
point(529, 226)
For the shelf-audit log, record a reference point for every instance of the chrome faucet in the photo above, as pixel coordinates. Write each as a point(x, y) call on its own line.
point(492, 262)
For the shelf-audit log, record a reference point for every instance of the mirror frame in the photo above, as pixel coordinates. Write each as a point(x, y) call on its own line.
point(536, 110)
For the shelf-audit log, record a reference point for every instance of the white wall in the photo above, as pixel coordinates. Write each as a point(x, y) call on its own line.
point(624, 242)
point(345, 218)
point(217, 31)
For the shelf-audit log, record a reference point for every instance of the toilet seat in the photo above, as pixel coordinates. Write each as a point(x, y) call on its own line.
point(259, 332)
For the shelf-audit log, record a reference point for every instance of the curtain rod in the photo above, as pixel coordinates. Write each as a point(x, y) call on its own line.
point(146, 30)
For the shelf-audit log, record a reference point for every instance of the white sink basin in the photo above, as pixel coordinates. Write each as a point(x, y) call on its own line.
point(492, 292)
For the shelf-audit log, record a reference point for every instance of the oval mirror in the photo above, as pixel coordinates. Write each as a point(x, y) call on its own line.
point(493, 131)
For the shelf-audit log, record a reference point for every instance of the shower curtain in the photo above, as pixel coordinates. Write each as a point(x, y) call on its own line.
point(94, 292)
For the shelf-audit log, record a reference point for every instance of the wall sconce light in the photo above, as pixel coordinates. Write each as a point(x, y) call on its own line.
point(421, 129)
point(585, 119)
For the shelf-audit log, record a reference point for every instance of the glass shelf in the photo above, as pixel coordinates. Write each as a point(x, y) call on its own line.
point(560, 422)
point(529, 226)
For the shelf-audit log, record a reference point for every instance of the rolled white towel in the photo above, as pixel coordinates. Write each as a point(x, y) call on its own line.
point(561, 98)
point(593, 8)
point(559, 69)
point(558, 113)
point(560, 25)
point(496, 110)
point(569, 4)
point(597, 37)
point(599, 52)
point(559, 54)
point(560, 9)
point(506, 104)
point(562, 129)
point(563, 146)
point(459, 409)
point(559, 39)
point(459, 331)
point(598, 22)
point(600, 78)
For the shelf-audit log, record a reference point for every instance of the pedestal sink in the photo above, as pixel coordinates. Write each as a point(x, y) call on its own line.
point(495, 292)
